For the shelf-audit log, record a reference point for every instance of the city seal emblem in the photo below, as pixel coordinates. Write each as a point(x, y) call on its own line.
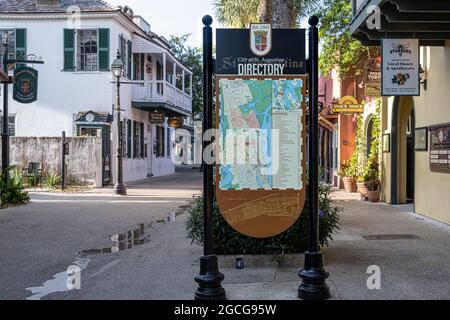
point(261, 39)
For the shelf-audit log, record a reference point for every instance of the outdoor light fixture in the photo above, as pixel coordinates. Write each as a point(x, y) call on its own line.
point(117, 69)
point(117, 66)
point(423, 77)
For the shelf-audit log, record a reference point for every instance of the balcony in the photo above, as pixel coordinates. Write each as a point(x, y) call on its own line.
point(161, 81)
point(161, 94)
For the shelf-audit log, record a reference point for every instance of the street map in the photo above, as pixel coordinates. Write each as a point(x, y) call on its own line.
point(261, 134)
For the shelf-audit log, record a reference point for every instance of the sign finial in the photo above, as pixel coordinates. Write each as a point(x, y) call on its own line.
point(313, 21)
point(207, 20)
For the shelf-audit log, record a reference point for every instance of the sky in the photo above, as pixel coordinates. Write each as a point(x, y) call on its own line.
point(172, 17)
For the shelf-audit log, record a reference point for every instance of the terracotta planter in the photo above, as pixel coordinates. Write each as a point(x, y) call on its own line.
point(374, 196)
point(363, 191)
point(349, 184)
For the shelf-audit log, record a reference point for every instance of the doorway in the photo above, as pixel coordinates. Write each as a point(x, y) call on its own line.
point(403, 151)
point(103, 132)
point(410, 158)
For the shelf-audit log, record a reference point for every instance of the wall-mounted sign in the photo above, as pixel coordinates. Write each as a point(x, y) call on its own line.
point(440, 148)
point(260, 51)
point(25, 85)
point(421, 139)
point(372, 78)
point(400, 67)
point(348, 105)
point(157, 117)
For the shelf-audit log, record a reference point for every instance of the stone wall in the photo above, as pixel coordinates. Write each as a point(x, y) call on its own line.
point(83, 164)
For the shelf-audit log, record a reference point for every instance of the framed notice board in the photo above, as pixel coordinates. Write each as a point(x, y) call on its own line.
point(440, 148)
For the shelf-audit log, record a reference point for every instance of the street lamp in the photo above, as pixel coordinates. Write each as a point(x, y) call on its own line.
point(117, 68)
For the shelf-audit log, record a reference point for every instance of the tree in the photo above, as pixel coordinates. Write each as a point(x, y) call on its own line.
point(281, 13)
point(192, 59)
point(338, 48)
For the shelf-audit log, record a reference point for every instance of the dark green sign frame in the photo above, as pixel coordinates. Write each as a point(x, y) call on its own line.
point(25, 85)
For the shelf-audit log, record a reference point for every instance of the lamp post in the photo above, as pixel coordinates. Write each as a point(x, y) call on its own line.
point(117, 68)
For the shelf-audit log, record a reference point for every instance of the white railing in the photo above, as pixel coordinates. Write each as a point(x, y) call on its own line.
point(161, 91)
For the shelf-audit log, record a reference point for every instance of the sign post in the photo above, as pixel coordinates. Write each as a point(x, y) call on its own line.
point(313, 274)
point(209, 280)
point(260, 154)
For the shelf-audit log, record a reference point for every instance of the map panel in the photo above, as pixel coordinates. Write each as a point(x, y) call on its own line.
point(260, 134)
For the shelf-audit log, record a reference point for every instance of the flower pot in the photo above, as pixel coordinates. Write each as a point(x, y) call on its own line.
point(363, 191)
point(374, 196)
point(349, 184)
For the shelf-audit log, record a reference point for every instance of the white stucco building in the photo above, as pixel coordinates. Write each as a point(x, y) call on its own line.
point(78, 40)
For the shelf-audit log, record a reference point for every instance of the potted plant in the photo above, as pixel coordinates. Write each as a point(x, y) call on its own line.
point(371, 175)
point(347, 174)
point(362, 188)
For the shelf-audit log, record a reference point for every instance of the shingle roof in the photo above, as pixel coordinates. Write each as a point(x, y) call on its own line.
point(25, 6)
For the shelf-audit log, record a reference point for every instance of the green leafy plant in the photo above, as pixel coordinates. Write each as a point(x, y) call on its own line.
point(52, 180)
point(227, 241)
point(12, 189)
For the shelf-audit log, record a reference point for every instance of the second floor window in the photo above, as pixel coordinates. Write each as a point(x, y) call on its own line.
point(87, 50)
point(9, 35)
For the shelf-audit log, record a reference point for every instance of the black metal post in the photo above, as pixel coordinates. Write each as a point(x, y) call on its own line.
point(119, 187)
point(5, 124)
point(209, 279)
point(314, 286)
point(63, 161)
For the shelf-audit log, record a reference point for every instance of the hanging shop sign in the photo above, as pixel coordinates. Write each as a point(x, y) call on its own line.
point(440, 148)
point(260, 176)
point(157, 117)
point(175, 122)
point(25, 85)
point(400, 67)
point(260, 51)
point(348, 105)
point(372, 78)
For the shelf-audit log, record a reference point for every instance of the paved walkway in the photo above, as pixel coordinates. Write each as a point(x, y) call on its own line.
point(41, 240)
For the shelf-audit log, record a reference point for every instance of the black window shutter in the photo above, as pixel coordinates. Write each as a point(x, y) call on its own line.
point(21, 44)
point(128, 138)
point(130, 59)
point(103, 49)
point(142, 140)
point(135, 140)
point(69, 52)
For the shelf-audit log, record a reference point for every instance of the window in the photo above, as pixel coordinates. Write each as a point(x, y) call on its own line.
point(11, 125)
point(10, 35)
point(87, 50)
point(160, 141)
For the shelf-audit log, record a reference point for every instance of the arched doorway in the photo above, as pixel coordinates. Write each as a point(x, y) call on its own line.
point(403, 153)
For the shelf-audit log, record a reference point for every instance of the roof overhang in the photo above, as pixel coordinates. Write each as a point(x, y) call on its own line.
point(169, 109)
point(427, 20)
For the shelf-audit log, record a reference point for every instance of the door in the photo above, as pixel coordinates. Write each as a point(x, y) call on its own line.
point(149, 152)
point(102, 132)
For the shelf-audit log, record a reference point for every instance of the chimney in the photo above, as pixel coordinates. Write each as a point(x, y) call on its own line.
point(47, 3)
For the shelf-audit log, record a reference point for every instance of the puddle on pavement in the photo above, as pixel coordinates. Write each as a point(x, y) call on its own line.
point(123, 241)
point(59, 282)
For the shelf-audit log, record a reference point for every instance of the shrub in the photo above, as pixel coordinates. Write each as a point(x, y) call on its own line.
point(12, 190)
point(227, 241)
point(52, 180)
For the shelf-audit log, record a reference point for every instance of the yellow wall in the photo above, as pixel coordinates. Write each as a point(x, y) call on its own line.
point(432, 191)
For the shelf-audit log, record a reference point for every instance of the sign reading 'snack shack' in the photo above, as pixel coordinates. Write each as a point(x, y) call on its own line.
point(348, 105)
